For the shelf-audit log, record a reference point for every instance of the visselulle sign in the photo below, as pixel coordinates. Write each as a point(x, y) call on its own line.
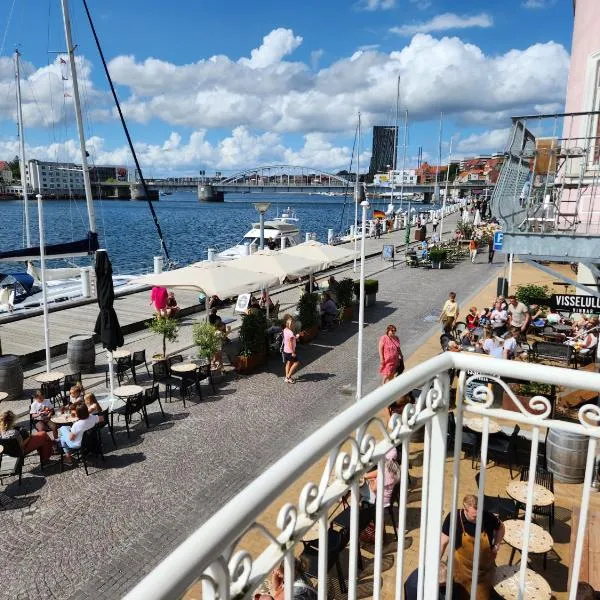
point(575, 303)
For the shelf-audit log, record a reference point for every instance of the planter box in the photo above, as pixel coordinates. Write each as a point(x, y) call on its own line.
point(249, 364)
point(370, 299)
point(308, 335)
point(348, 314)
point(508, 404)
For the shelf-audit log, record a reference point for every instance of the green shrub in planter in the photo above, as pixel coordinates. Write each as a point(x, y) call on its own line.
point(167, 327)
point(531, 293)
point(345, 293)
point(207, 338)
point(307, 310)
point(253, 333)
point(371, 287)
point(437, 255)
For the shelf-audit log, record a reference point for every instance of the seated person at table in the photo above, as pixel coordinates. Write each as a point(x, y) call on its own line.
point(71, 437)
point(538, 315)
point(265, 300)
point(302, 588)
point(315, 285)
point(329, 310)
point(411, 583)
point(38, 440)
point(498, 319)
point(509, 348)
point(391, 476)
point(214, 302)
point(553, 318)
point(489, 341)
point(453, 346)
point(585, 342)
point(41, 410)
point(92, 404)
point(75, 394)
point(332, 288)
point(485, 317)
point(472, 318)
point(253, 305)
point(468, 338)
point(172, 308)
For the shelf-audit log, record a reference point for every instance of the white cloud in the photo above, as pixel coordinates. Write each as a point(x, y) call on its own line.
point(444, 22)
point(538, 3)
point(372, 5)
point(277, 44)
point(494, 139)
point(421, 4)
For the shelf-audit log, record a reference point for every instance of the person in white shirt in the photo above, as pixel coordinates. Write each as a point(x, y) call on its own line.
point(498, 319)
point(509, 348)
point(41, 410)
point(71, 437)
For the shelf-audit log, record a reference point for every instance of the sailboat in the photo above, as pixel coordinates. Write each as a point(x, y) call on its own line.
point(24, 290)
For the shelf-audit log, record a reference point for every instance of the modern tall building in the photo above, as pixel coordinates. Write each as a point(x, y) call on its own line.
point(385, 148)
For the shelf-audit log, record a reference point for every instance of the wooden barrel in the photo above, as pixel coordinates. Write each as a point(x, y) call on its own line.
point(11, 376)
point(81, 353)
point(566, 454)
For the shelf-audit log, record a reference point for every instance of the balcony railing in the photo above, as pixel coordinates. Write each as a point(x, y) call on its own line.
point(354, 442)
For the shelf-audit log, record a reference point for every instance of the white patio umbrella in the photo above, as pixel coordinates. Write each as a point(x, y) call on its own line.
point(465, 215)
point(220, 279)
point(326, 255)
point(278, 263)
point(477, 218)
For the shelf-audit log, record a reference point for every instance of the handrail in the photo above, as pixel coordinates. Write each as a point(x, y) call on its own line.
point(182, 567)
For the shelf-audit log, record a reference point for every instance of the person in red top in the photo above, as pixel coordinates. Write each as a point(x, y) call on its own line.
point(159, 297)
point(389, 354)
point(472, 319)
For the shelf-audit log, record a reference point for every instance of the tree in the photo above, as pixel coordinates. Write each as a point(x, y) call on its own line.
point(15, 167)
point(165, 326)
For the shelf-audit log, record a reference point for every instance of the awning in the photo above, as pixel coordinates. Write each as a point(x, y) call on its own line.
point(327, 256)
point(278, 263)
point(212, 278)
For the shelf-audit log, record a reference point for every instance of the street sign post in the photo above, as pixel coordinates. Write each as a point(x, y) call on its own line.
point(498, 240)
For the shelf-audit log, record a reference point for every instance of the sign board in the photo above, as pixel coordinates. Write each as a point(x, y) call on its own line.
point(498, 240)
point(242, 302)
point(388, 252)
point(580, 303)
point(471, 386)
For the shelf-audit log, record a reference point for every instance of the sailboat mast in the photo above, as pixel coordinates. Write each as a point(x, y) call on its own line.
point(84, 164)
point(437, 171)
point(22, 151)
point(357, 192)
point(395, 156)
point(404, 156)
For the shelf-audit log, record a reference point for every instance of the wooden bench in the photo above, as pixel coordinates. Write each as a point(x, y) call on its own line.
point(590, 558)
point(551, 351)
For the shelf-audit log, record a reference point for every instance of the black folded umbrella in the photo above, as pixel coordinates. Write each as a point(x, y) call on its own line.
point(107, 324)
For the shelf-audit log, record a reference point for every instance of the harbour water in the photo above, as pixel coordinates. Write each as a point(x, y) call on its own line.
point(189, 227)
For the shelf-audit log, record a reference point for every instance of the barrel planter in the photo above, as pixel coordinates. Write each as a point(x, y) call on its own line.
point(566, 455)
point(81, 353)
point(347, 314)
point(11, 376)
point(249, 364)
point(307, 335)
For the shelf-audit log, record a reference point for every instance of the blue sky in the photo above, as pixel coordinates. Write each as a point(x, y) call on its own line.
point(226, 85)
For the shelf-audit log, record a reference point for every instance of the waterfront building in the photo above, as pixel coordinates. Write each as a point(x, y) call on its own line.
point(406, 177)
point(384, 149)
point(427, 173)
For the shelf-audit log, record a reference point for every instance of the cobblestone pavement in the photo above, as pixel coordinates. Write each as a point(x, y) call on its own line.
point(71, 536)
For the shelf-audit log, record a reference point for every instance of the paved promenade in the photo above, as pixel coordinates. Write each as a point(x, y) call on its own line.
point(71, 536)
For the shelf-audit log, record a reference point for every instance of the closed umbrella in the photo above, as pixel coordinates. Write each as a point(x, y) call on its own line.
point(477, 218)
point(326, 255)
point(107, 324)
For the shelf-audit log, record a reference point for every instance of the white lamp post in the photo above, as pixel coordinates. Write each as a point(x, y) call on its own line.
point(361, 301)
point(262, 208)
point(43, 273)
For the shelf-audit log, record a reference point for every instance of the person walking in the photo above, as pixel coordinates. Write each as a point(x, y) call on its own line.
point(390, 354)
point(473, 250)
point(491, 252)
point(290, 340)
point(434, 224)
point(449, 314)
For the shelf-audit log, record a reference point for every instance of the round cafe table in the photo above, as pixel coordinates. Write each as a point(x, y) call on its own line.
point(125, 391)
point(120, 354)
point(517, 490)
point(183, 367)
point(506, 584)
point(476, 424)
point(3, 396)
point(540, 541)
point(63, 419)
point(49, 377)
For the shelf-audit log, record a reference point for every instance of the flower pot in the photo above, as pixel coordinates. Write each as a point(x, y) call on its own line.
point(348, 314)
point(308, 334)
point(370, 299)
point(249, 364)
point(436, 264)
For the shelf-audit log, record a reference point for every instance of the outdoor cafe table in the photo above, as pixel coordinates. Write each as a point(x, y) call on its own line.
point(126, 391)
point(517, 490)
point(476, 424)
point(562, 328)
point(63, 419)
point(49, 377)
point(184, 367)
point(3, 396)
point(506, 584)
point(120, 354)
point(540, 541)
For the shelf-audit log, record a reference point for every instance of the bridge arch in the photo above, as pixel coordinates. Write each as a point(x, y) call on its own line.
point(282, 174)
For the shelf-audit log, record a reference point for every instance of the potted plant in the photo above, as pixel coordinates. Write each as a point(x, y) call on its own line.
point(208, 339)
point(525, 392)
point(533, 294)
point(345, 299)
point(371, 289)
point(308, 316)
point(168, 328)
point(437, 256)
point(253, 342)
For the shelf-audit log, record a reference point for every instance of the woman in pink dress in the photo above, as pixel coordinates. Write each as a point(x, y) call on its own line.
point(158, 297)
point(389, 354)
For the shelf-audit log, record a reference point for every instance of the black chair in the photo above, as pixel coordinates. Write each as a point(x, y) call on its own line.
point(335, 546)
point(545, 479)
point(185, 382)
point(152, 395)
point(106, 422)
point(161, 375)
point(504, 447)
point(139, 358)
point(70, 380)
point(176, 358)
point(123, 365)
point(13, 449)
point(204, 372)
point(470, 440)
point(91, 443)
point(53, 391)
point(133, 404)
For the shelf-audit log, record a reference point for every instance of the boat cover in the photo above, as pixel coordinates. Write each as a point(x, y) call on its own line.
point(77, 248)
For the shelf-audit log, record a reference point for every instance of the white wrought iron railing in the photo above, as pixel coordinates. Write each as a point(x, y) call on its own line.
point(354, 442)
